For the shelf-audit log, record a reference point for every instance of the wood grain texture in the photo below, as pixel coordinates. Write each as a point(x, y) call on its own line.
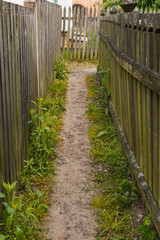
point(28, 49)
point(133, 42)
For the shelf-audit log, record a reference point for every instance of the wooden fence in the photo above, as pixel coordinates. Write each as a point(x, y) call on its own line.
point(28, 48)
point(80, 33)
point(130, 49)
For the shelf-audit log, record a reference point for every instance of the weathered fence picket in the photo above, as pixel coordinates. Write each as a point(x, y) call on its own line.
point(93, 32)
point(28, 50)
point(80, 32)
point(64, 29)
point(80, 38)
point(85, 34)
point(133, 43)
point(97, 29)
point(68, 32)
point(89, 33)
point(77, 31)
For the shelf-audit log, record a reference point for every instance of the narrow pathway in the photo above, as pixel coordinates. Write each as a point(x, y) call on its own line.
point(71, 216)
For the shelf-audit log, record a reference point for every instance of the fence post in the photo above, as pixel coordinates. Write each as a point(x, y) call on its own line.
point(32, 4)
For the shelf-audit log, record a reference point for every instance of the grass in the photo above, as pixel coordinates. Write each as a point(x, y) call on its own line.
point(116, 194)
point(25, 208)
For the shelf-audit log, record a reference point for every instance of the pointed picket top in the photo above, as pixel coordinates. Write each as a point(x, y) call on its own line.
point(146, 11)
point(107, 11)
point(103, 12)
point(114, 10)
point(141, 10)
point(135, 10)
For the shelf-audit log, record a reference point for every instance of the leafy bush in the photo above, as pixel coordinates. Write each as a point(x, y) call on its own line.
point(109, 4)
point(16, 222)
point(125, 194)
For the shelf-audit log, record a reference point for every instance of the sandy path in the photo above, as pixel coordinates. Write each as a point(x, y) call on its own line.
point(71, 217)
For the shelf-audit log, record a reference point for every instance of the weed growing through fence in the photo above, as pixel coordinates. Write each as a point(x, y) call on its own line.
point(117, 194)
point(24, 208)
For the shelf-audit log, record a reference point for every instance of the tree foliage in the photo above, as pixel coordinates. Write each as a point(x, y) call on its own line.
point(149, 4)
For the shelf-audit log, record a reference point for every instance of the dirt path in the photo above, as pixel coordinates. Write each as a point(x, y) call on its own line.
point(71, 217)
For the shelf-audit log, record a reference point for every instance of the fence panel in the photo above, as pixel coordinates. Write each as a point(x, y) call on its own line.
point(28, 48)
point(132, 41)
point(80, 33)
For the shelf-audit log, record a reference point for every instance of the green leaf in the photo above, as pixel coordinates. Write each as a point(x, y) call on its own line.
point(10, 210)
point(13, 185)
point(35, 103)
point(35, 218)
point(141, 228)
point(148, 234)
point(47, 129)
point(2, 237)
point(2, 224)
point(6, 186)
point(38, 192)
point(2, 195)
point(18, 202)
point(41, 119)
point(33, 133)
point(19, 234)
point(9, 221)
point(102, 133)
point(45, 206)
point(106, 111)
point(5, 204)
point(147, 220)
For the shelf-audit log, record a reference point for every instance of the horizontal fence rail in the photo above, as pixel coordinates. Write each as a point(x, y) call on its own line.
point(130, 49)
point(80, 33)
point(28, 48)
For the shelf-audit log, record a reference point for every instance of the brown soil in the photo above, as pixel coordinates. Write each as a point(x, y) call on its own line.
point(71, 216)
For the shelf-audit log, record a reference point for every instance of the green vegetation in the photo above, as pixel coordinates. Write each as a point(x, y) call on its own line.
point(117, 195)
point(145, 229)
point(23, 209)
point(154, 4)
point(60, 69)
point(149, 4)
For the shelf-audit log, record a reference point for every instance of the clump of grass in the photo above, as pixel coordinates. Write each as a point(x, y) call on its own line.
point(117, 193)
point(24, 209)
point(60, 68)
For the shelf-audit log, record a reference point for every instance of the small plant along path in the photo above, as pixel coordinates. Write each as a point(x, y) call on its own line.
point(71, 216)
